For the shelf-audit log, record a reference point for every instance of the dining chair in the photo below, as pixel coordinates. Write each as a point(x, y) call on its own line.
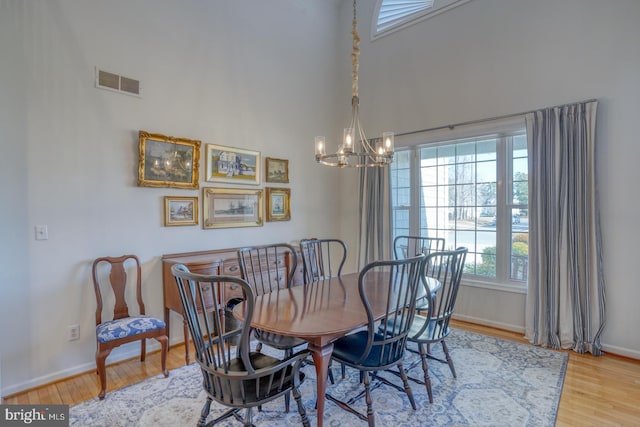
point(111, 272)
point(233, 375)
point(266, 269)
point(406, 246)
point(447, 267)
point(322, 258)
point(372, 349)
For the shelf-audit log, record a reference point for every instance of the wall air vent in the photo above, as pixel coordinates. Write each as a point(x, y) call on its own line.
point(115, 82)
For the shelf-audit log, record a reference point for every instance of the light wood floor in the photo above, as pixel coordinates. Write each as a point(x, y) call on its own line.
point(598, 391)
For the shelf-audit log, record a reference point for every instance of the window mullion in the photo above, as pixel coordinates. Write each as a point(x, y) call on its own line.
point(416, 188)
point(503, 224)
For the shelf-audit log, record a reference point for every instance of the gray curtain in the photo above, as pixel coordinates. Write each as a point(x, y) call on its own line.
point(565, 298)
point(374, 215)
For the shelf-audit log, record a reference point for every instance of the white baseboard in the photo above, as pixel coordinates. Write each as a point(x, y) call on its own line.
point(491, 323)
point(621, 351)
point(115, 357)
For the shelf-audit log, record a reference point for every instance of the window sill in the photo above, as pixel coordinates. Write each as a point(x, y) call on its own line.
point(502, 287)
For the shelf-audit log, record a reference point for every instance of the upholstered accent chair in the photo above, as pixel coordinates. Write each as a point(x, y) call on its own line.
point(122, 327)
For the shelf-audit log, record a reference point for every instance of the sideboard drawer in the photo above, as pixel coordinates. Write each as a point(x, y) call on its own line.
point(230, 267)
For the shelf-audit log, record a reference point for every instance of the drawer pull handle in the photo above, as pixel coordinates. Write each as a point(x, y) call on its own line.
point(233, 268)
point(234, 286)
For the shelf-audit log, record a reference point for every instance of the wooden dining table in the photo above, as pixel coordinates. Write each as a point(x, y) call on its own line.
point(320, 313)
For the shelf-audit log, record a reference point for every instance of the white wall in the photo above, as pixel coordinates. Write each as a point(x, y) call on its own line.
point(244, 73)
point(494, 57)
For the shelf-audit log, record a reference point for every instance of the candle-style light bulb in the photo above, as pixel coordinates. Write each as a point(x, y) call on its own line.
point(348, 140)
point(388, 142)
point(320, 147)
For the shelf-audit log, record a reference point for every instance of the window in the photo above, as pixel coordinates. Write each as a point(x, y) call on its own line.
point(391, 15)
point(474, 193)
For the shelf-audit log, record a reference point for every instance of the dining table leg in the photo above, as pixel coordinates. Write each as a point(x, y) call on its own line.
point(321, 357)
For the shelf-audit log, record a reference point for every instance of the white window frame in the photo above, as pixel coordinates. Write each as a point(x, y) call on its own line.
point(499, 128)
point(409, 15)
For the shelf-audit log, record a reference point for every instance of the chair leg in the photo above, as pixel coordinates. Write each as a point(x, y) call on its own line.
point(368, 399)
point(248, 417)
point(449, 359)
point(425, 369)
point(407, 388)
point(101, 357)
point(303, 413)
point(287, 397)
point(204, 413)
point(143, 349)
point(164, 342)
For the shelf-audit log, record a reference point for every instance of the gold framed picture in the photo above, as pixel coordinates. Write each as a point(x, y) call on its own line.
point(276, 170)
point(278, 204)
point(180, 211)
point(166, 161)
point(231, 207)
point(232, 165)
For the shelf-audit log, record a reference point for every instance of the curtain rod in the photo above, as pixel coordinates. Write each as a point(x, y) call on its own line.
point(488, 119)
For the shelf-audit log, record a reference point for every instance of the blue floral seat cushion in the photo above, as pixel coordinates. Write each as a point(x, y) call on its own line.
point(126, 327)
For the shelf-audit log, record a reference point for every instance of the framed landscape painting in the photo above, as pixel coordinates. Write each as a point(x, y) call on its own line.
point(232, 165)
point(166, 161)
point(278, 204)
point(231, 207)
point(180, 211)
point(276, 170)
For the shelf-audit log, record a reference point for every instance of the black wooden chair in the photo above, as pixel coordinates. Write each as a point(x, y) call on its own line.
point(376, 349)
point(447, 267)
point(408, 246)
point(266, 269)
point(322, 258)
point(233, 376)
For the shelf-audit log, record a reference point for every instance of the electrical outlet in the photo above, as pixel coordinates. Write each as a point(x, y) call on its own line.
point(73, 332)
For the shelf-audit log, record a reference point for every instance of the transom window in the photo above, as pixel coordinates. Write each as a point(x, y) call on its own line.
point(391, 15)
point(474, 193)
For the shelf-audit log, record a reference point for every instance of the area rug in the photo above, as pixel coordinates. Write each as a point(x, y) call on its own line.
point(500, 383)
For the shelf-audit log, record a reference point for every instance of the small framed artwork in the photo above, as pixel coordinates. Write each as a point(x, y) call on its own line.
point(276, 170)
point(232, 165)
point(231, 207)
point(166, 161)
point(180, 211)
point(278, 204)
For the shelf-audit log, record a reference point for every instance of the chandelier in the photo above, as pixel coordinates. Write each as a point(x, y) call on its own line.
point(356, 150)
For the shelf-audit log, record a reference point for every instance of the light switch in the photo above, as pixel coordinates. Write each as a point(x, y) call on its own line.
point(42, 233)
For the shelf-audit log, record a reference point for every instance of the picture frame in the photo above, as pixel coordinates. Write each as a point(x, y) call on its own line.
point(276, 170)
point(167, 161)
point(232, 207)
point(278, 204)
point(232, 165)
point(179, 210)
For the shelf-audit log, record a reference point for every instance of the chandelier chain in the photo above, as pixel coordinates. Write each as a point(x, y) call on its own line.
point(355, 52)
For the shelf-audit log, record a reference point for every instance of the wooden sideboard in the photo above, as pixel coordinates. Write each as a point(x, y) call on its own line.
point(223, 262)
